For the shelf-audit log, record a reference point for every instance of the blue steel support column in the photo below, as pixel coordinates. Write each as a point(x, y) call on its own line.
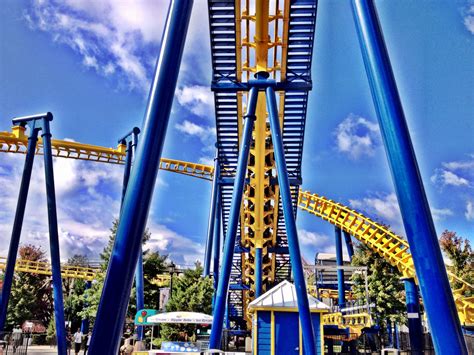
point(139, 277)
point(290, 223)
point(349, 245)
point(212, 219)
point(414, 319)
point(126, 171)
point(258, 272)
point(17, 224)
point(341, 293)
point(229, 242)
point(139, 281)
point(217, 233)
point(54, 238)
point(85, 321)
point(417, 219)
point(123, 261)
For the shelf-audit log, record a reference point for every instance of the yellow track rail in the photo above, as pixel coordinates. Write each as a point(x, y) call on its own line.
point(381, 240)
point(356, 322)
point(43, 268)
point(327, 293)
point(16, 142)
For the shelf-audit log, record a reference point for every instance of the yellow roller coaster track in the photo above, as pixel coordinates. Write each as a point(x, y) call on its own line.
point(381, 240)
point(43, 268)
point(16, 142)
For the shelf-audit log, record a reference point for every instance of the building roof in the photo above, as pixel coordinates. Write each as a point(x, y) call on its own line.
point(283, 295)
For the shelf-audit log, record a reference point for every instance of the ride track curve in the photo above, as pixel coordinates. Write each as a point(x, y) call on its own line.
point(377, 237)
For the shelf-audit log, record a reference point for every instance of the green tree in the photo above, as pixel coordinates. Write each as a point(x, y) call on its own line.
point(385, 288)
point(31, 295)
point(191, 292)
point(459, 252)
point(73, 292)
point(91, 297)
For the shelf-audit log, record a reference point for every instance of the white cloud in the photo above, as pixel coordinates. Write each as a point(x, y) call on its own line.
point(469, 19)
point(207, 161)
point(357, 136)
point(180, 249)
point(440, 214)
point(383, 206)
point(88, 200)
point(121, 38)
point(444, 177)
point(111, 36)
point(469, 214)
point(197, 99)
point(205, 134)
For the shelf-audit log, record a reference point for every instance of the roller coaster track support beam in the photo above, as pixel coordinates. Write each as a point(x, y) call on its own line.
point(85, 321)
point(341, 293)
point(212, 221)
point(136, 205)
point(216, 245)
point(130, 140)
point(417, 219)
point(349, 244)
point(233, 223)
point(17, 224)
point(414, 319)
point(38, 123)
point(309, 343)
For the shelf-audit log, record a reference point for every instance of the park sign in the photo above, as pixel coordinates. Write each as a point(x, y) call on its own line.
point(181, 317)
point(141, 318)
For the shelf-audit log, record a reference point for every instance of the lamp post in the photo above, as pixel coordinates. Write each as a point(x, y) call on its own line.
point(171, 268)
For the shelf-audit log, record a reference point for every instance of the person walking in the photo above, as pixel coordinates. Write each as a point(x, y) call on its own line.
point(77, 341)
point(88, 342)
point(16, 336)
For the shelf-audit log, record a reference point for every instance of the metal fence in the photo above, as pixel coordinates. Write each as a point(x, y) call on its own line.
point(14, 343)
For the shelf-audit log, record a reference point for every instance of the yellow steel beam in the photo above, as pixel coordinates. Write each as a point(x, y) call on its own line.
point(16, 142)
point(43, 268)
point(383, 241)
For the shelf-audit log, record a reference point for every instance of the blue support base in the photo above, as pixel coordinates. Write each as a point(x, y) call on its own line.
point(415, 326)
point(309, 342)
point(85, 321)
point(118, 282)
point(212, 220)
point(341, 293)
point(54, 240)
point(229, 242)
point(17, 225)
point(430, 269)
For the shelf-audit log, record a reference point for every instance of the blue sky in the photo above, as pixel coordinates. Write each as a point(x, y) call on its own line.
point(90, 63)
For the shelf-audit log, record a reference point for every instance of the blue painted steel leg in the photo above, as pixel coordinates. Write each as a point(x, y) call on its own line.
point(258, 272)
point(217, 234)
point(389, 333)
point(139, 281)
point(229, 242)
point(54, 239)
point(17, 224)
point(349, 245)
point(417, 219)
point(212, 219)
point(414, 319)
point(341, 294)
point(126, 171)
point(290, 223)
point(123, 261)
point(85, 321)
